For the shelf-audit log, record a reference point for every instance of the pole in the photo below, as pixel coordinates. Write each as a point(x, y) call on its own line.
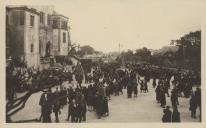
point(119, 48)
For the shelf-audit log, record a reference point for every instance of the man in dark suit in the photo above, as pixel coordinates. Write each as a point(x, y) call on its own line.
point(55, 101)
point(167, 117)
point(42, 102)
point(46, 107)
point(56, 110)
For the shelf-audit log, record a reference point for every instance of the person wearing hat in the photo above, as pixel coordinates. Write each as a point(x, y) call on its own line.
point(162, 97)
point(175, 115)
point(56, 110)
point(167, 117)
point(198, 99)
point(174, 97)
point(193, 106)
point(46, 107)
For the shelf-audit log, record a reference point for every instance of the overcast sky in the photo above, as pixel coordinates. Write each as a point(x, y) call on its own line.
point(132, 23)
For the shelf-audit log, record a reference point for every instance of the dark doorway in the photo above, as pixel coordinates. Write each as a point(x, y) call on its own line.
point(48, 49)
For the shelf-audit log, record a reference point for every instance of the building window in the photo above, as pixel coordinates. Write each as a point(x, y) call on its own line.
point(64, 25)
point(32, 48)
point(15, 18)
point(69, 42)
point(21, 18)
point(31, 20)
point(41, 18)
point(48, 20)
point(40, 47)
point(64, 37)
point(55, 23)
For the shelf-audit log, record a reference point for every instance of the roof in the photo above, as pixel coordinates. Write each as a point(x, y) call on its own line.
point(57, 14)
point(25, 8)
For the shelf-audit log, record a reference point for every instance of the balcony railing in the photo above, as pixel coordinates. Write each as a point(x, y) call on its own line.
point(44, 60)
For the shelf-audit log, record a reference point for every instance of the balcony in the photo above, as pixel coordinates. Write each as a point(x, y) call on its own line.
point(45, 60)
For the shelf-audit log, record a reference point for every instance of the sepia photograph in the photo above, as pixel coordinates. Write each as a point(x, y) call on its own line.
point(112, 61)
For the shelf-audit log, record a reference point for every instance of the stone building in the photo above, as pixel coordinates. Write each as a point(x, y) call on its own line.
point(35, 34)
point(45, 30)
point(22, 35)
point(60, 35)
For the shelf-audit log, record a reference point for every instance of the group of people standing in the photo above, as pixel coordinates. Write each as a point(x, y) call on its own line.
point(78, 99)
point(181, 85)
point(55, 101)
point(106, 80)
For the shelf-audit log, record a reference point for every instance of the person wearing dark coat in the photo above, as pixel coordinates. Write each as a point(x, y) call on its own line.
point(135, 90)
point(174, 98)
point(73, 110)
point(56, 110)
point(46, 104)
point(166, 89)
point(93, 97)
point(50, 99)
point(56, 102)
point(64, 96)
point(141, 86)
point(124, 81)
point(111, 86)
point(79, 78)
point(129, 90)
point(167, 83)
point(99, 105)
point(154, 83)
point(145, 87)
point(79, 112)
point(42, 100)
point(120, 83)
point(89, 98)
point(164, 116)
point(167, 117)
point(175, 115)
point(70, 77)
point(42, 103)
point(84, 108)
point(78, 97)
point(157, 91)
point(193, 106)
point(107, 91)
point(198, 98)
point(46, 114)
point(134, 84)
point(72, 94)
point(70, 110)
point(116, 87)
point(162, 98)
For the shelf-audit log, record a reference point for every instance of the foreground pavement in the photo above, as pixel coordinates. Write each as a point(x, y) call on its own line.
point(143, 108)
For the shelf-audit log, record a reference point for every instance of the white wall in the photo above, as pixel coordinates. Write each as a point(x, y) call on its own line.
point(63, 46)
point(31, 37)
point(56, 41)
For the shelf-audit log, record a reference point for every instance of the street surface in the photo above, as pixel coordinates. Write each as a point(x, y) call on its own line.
point(143, 108)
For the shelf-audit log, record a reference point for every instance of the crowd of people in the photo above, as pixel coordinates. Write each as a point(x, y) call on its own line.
point(20, 79)
point(105, 80)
